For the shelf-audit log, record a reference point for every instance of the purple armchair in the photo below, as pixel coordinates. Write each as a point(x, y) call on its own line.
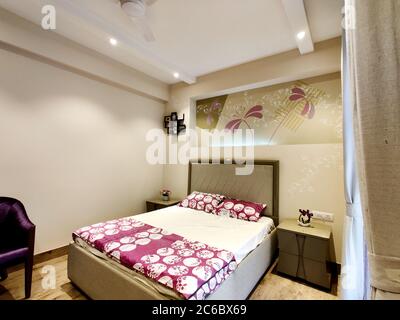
point(17, 239)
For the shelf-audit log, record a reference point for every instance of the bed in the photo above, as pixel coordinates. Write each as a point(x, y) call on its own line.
point(253, 243)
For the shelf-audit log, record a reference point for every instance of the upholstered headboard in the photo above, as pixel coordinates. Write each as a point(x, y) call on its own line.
point(262, 185)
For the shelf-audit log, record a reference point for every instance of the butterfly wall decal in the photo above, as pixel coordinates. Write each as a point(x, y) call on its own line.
point(298, 94)
point(253, 112)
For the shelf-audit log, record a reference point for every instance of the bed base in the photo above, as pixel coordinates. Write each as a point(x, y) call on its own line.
point(100, 280)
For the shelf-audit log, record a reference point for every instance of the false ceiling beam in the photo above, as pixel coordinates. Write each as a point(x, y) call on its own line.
point(296, 13)
point(125, 39)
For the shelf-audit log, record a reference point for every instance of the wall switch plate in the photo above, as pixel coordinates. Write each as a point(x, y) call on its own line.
point(324, 216)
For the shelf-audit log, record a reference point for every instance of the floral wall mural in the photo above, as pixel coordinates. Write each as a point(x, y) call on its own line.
point(300, 112)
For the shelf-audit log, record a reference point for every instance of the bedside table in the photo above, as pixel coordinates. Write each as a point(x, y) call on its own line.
point(156, 204)
point(304, 251)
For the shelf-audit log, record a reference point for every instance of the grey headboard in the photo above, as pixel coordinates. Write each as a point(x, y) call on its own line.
point(260, 186)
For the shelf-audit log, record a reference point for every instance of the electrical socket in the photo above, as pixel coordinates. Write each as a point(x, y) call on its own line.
point(324, 216)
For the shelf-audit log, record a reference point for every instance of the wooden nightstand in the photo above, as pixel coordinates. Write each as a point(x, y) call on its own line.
point(156, 204)
point(304, 251)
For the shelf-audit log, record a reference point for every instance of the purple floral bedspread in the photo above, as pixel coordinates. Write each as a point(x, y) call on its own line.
point(193, 269)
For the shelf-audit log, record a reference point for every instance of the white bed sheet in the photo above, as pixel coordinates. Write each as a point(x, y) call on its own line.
point(238, 236)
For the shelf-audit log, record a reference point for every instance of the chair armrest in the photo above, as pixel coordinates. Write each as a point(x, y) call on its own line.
point(23, 221)
point(25, 225)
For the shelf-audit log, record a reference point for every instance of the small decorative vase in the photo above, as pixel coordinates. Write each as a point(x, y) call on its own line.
point(165, 197)
point(305, 218)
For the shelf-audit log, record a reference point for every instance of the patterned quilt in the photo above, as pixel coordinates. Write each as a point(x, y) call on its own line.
point(193, 269)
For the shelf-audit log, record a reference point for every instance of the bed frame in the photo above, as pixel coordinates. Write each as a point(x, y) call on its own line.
point(101, 280)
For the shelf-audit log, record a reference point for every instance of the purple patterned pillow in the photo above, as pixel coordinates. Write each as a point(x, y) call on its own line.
point(239, 209)
point(207, 202)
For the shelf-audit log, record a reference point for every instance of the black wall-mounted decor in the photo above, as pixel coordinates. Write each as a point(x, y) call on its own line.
point(173, 124)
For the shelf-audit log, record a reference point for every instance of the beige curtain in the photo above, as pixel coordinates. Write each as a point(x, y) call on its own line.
point(373, 39)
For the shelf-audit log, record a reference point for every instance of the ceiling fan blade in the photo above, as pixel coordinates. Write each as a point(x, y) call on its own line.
point(145, 29)
point(150, 2)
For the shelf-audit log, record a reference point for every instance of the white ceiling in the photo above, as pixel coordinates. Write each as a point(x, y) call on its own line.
point(193, 37)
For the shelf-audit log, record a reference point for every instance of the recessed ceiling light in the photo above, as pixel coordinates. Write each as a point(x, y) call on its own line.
point(301, 35)
point(113, 41)
point(176, 75)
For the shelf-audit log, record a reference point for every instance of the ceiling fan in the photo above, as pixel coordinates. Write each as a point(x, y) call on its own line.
point(136, 10)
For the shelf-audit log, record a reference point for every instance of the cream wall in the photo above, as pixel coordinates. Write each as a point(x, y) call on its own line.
point(311, 176)
point(72, 149)
point(25, 35)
